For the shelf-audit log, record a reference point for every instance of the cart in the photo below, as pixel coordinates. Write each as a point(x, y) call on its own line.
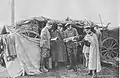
point(110, 43)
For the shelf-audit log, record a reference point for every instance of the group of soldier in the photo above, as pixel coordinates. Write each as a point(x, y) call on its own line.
point(60, 45)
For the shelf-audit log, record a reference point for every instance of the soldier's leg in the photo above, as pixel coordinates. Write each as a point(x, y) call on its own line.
point(48, 60)
point(43, 60)
point(42, 64)
point(69, 50)
point(48, 63)
point(74, 54)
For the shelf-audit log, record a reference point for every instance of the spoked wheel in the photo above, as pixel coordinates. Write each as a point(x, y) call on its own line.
point(110, 48)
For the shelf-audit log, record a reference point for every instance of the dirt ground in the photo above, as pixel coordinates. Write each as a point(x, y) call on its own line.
point(63, 73)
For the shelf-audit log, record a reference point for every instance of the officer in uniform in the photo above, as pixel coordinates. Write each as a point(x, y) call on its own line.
point(71, 46)
point(45, 45)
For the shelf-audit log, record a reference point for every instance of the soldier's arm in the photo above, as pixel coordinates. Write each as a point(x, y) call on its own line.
point(43, 38)
point(43, 35)
point(65, 36)
point(76, 37)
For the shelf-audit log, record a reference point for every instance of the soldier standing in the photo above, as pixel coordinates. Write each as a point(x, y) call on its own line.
point(45, 45)
point(71, 46)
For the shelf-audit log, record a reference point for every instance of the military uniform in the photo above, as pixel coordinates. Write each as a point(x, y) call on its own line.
point(71, 46)
point(45, 48)
point(45, 42)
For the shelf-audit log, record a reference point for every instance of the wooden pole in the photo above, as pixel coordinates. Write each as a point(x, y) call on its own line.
point(12, 12)
point(100, 20)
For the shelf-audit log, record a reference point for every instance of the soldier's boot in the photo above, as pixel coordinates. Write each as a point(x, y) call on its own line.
point(46, 64)
point(75, 69)
point(90, 73)
point(42, 66)
point(94, 73)
point(71, 65)
point(46, 70)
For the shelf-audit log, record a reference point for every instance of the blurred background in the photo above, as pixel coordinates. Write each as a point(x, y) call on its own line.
point(60, 9)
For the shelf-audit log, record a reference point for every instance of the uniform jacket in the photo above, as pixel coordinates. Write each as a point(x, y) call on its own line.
point(45, 38)
point(70, 33)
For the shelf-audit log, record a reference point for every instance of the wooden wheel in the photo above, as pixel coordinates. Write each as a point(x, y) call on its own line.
point(110, 48)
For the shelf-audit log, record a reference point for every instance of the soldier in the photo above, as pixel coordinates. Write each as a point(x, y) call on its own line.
point(71, 32)
point(45, 45)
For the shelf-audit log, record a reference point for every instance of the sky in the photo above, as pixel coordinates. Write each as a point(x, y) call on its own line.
point(60, 9)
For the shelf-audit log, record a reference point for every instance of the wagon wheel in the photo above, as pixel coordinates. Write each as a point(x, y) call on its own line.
point(109, 48)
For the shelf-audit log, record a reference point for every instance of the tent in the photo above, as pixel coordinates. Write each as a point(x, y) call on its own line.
point(21, 48)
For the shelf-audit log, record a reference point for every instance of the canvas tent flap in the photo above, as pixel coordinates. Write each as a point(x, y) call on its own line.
point(14, 68)
point(28, 57)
